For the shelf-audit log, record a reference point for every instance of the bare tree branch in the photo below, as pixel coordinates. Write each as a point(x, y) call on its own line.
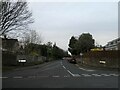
point(14, 16)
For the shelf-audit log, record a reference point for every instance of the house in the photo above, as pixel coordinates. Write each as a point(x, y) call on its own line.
point(113, 45)
point(11, 45)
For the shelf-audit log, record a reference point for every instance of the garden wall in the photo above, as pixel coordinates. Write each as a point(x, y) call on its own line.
point(94, 58)
point(12, 59)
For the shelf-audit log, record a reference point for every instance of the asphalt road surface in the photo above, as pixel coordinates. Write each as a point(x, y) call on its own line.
point(59, 74)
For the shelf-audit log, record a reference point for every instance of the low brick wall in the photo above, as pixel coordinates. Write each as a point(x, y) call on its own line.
point(93, 58)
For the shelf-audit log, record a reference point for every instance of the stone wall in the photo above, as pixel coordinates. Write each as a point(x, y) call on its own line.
point(12, 59)
point(101, 59)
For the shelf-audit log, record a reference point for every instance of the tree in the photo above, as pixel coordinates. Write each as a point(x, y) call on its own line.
point(14, 16)
point(85, 42)
point(31, 37)
point(57, 53)
point(72, 45)
point(49, 49)
point(35, 37)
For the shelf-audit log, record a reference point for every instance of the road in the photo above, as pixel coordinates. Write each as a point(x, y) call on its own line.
point(60, 74)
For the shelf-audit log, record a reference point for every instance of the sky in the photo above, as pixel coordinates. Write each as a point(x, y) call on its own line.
point(59, 21)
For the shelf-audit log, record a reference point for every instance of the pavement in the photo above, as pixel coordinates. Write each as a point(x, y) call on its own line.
point(60, 74)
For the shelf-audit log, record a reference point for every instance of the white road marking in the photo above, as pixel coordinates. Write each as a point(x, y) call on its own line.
point(70, 73)
point(86, 69)
point(18, 77)
point(74, 75)
point(114, 74)
point(106, 74)
point(55, 76)
point(3, 77)
point(64, 67)
point(96, 75)
point(86, 75)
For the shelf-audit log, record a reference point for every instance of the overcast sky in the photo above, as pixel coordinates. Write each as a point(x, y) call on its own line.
point(58, 21)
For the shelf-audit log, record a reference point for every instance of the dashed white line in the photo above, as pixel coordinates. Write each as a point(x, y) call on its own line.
point(17, 77)
point(114, 74)
point(106, 74)
point(96, 75)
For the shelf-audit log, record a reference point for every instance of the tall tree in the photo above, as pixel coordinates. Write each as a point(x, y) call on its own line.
point(57, 52)
point(72, 45)
point(14, 16)
point(85, 42)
